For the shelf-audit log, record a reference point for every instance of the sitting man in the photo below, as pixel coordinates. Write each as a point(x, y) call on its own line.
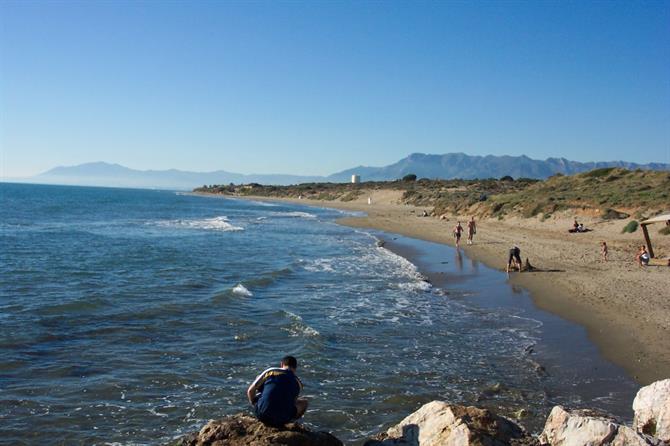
point(274, 394)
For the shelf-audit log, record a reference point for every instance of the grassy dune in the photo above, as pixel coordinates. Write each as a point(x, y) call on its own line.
point(609, 193)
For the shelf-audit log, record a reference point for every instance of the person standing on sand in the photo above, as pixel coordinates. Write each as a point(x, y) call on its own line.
point(472, 230)
point(603, 251)
point(457, 234)
point(274, 394)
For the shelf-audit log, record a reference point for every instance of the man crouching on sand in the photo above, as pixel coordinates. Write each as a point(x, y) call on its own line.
point(274, 394)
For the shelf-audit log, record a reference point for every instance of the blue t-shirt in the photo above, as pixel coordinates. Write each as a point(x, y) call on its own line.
point(278, 389)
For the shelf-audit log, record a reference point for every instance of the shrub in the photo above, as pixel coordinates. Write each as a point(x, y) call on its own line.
point(630, 227)
point(409, 177)
point(665, 230)
point(598, 173)
point(611, 214)
point(506, 178)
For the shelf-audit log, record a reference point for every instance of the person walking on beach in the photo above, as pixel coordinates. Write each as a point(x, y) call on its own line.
point(472, 230)
point(458, 230)
point(514, 259)
point(274, 394)
point(603, 251)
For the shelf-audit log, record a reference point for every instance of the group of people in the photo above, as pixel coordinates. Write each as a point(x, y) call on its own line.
point(458, 231)
point(578, 227)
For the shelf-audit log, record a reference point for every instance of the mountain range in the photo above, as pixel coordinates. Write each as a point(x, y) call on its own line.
point(447, 166)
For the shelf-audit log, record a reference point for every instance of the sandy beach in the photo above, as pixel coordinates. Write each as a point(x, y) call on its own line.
point(624, 308)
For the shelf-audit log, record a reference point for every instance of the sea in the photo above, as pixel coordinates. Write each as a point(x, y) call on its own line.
point(131, 317)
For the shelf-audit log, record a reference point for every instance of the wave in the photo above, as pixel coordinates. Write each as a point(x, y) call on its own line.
point(320, 265)
point(298, 327)
point(220, 223)
point(241, 290)
point(294, 214)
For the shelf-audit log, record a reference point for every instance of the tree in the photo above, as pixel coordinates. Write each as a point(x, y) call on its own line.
point(409, 177)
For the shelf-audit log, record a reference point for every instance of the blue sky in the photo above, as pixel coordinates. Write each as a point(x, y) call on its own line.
point(317, 87)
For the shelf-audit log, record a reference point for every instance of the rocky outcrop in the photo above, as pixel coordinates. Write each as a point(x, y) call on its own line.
point(242, 430)
point(440, 423)
point(589, 428)
point(652, 410)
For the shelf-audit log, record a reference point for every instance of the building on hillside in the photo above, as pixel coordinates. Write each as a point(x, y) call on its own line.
point(355, 179)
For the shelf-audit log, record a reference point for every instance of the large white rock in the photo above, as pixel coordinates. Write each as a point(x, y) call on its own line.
point(440, 424)
point(586, 428)
point(626, 436)
point(577, 428)
point(652, 410)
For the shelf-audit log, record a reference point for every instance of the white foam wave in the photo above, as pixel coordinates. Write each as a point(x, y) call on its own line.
point(220, 223)
point(241, 290)
point(320, 265)
point(419, 285)
point(294, 214)
point(299, 327)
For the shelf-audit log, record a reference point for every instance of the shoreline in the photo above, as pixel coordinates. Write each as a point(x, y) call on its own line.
point(617, 328)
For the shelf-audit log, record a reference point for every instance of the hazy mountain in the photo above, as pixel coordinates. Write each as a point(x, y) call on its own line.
point(450, 165)
point(460, 165)
point(115, 175)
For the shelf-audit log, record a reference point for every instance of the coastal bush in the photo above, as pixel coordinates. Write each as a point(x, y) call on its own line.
point(630, 227)
point(599, 173)
point(532, 211)
point(611, 214)
point(409, 177)
point(506, 178)
point(665, 230)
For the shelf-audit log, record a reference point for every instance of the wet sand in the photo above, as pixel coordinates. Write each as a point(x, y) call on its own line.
point(625, 309)
point(570, 368)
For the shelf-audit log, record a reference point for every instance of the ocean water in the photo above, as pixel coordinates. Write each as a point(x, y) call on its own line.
point(132, 316)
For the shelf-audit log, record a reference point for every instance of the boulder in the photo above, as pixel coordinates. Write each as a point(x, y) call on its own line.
point(440, 423)
point(652, 410)
point(589, 428)
point(243, 430)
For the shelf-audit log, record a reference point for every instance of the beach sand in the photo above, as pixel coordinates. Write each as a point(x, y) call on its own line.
point(624, 308)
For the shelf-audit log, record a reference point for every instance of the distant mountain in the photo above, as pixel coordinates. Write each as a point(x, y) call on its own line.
point(450, 165)
point(460, 165)
point(115, 175)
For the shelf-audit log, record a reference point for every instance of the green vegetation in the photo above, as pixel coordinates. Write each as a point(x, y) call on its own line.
point(613, 193)
point(630, 227)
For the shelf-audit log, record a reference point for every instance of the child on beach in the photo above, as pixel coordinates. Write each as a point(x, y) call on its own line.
point(603, 251)
point(457, 233)
point(642, 256)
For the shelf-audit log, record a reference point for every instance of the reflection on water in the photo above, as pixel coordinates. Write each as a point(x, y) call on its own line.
point(459, 259)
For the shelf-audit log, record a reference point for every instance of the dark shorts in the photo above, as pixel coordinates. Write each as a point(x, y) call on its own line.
point(514, 254)
point(276, 418)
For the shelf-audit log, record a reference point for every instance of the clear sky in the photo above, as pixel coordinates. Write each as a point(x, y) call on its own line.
point(317, 87)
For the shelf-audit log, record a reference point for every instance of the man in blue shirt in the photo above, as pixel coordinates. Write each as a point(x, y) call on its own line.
point(274, 394)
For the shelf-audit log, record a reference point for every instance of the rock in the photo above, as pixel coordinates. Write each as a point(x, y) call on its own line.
point(628, 437)
point(243, 430)
point(439, 423)
point(652, 410)
point(588, 428)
